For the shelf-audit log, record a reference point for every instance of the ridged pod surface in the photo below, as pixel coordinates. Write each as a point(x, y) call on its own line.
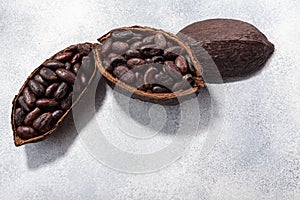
point(237, 48)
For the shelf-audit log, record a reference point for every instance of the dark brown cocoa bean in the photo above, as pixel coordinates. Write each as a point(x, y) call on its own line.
point(149, 77)
point(150, 51)
point(158, 59)
point(142, 87)
point(39, 79)
point(64, 56)
point(171, 69)
point(157, 76)
point(43, 122)
point(189, 78)
point(133, 39)
point(75, 58)
point(65, 75)
point(172, 52)
point(19, 116)
point(148, 40)
point(68, 66)
point(57, 114)
point(107, 65)
point(159, 89)
point(105, 48)
point(122, 35)
point(51, 89)
point(22, 103)
point(123, 73)
point(134, 62)
point(66, 103)
point(36, 87)
point(133, 54)
point(169, 44)
point(29, 97)
point(139, 79)
point(149, 60)
point(48, 74)
point(140, 68)
point(128, 77)
point(112, 55)
point(119, 47)
point(61, 91)
point(71, 48)
point(181, 63)
point(83, 49)
point(119, 60)
point(32, 116)
point(76, 68)
point(148, 46)
point(160, 41)
point(138, 35)
point(87, 69)
point(26, 132)
point(46, 103)
point(190, 65)
point(136, 45)
point(53, 64)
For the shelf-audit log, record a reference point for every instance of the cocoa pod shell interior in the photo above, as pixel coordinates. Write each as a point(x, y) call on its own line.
point(170, 98)
point(38, 85)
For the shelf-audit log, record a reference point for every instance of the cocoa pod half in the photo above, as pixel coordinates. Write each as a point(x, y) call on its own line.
point(45, 98)
point(147, 63)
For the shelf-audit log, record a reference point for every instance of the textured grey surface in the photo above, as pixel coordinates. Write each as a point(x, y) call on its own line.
point(257, 155)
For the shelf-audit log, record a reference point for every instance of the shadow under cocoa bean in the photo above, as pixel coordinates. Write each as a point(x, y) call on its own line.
point(57, 144)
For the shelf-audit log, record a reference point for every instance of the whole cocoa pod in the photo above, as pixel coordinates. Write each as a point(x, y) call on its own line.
point(237, 48)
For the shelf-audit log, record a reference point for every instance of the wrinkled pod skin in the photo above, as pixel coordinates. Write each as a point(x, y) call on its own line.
point(44, 100)
point(228, 49)
point(145, 63)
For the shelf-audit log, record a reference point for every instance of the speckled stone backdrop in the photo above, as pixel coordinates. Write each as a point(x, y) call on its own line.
point(257, 155)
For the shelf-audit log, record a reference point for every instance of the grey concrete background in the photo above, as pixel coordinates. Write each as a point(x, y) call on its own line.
point(257, 155)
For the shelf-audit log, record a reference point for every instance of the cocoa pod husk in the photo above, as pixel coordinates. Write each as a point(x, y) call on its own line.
point(170, 98)
point(237, 48)
point(52, 63)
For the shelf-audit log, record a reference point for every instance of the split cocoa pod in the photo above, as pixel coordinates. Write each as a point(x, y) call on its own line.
point(141, 62)
point(45, 98)
point(237, 48)
point(149, 64)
